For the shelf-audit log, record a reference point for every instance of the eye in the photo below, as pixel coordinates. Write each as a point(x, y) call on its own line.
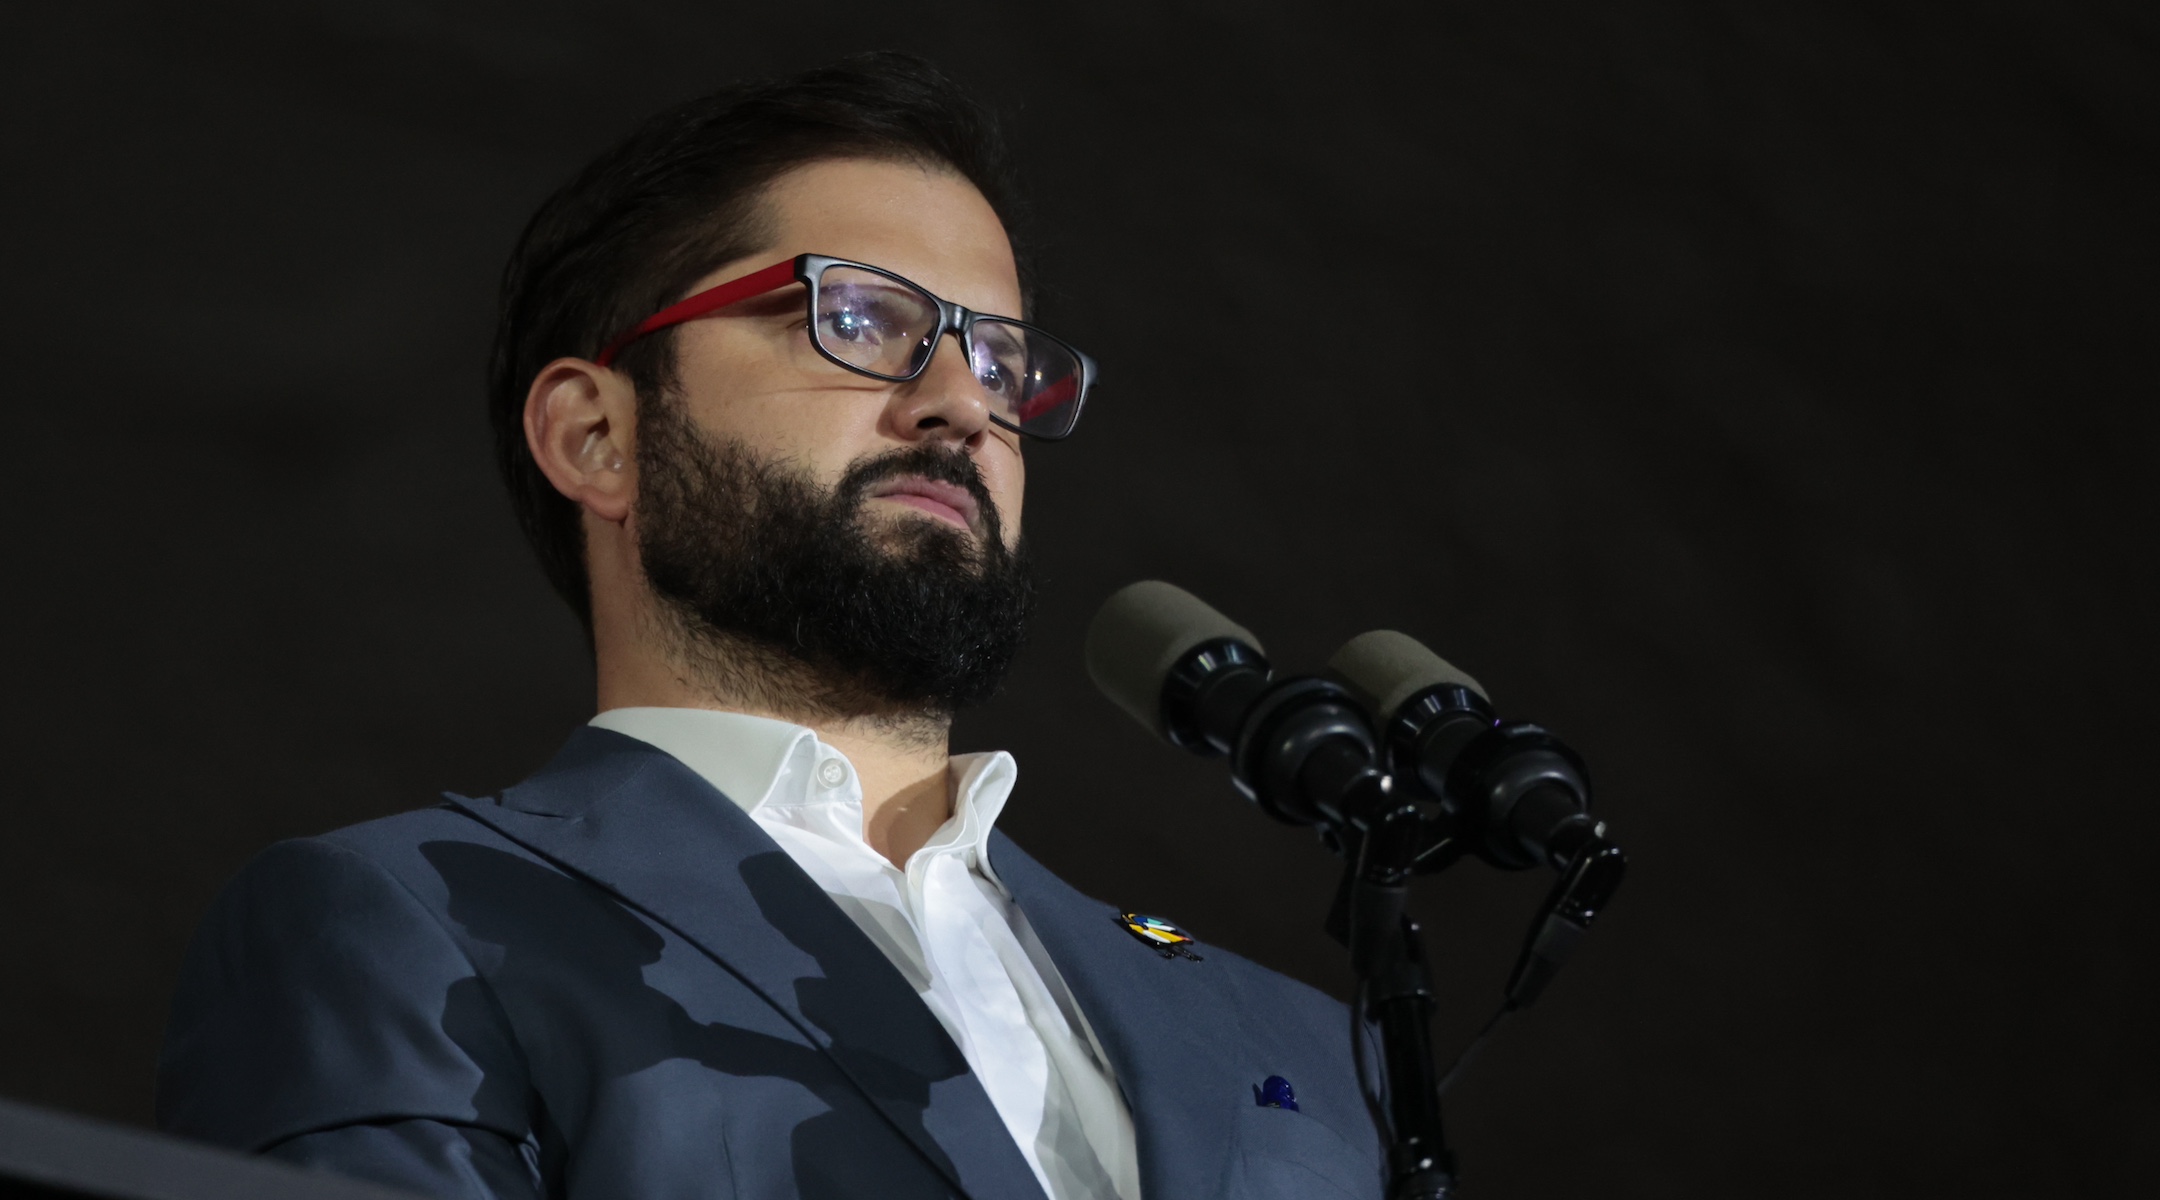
point(999, 374)
point(845, 325)
point(1000, 362)
point(854, 325)
point(855, 316)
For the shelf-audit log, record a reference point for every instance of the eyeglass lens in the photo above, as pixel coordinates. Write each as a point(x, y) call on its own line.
point(882, 326)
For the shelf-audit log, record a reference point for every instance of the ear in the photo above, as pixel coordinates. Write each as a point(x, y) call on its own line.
point(581, 422)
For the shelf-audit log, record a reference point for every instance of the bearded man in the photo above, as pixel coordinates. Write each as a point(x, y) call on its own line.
point(760, 401)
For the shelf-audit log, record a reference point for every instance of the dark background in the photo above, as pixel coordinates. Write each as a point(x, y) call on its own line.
point(1759, 393)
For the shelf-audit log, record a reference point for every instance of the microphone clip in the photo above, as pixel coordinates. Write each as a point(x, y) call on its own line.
point(1586, 885)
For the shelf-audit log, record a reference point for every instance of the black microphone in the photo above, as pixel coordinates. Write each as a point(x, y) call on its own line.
point(1516, 794)
point(1510, 790)
point(1299, 747)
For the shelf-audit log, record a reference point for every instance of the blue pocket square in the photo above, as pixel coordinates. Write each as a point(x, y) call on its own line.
point(1274, 1092)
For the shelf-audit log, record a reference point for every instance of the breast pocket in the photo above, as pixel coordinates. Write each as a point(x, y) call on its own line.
point(1285, 1155)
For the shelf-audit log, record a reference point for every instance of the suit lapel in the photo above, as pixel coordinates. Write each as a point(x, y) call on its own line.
point(637, 822)
point(1161, 1022)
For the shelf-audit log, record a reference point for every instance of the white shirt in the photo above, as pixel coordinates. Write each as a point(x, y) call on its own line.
point(945, 922)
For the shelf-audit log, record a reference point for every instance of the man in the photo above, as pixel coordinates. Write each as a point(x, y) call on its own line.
point(751, 932)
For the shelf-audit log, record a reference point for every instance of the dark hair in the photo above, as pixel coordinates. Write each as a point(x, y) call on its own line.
point(637, 226)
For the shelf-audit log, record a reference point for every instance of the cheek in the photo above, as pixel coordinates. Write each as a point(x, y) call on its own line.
point(779, 425)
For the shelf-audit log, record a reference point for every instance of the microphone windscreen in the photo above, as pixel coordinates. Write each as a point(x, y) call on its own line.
point(1384, 668)
point(1141, 632)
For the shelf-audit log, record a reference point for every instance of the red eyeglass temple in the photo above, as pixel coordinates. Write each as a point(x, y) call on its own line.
point(757, 283)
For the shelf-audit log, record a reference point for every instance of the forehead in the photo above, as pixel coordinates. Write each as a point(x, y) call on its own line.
point(926, 223)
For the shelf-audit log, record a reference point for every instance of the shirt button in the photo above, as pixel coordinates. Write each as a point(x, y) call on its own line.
point(832, 772)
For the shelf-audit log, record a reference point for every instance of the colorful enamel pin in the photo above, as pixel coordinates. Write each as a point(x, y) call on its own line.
point(1166, 939)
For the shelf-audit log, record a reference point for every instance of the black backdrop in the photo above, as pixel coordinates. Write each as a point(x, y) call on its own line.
point(1760, 393)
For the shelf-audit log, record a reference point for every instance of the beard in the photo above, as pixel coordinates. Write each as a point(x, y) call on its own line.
point(793, 596)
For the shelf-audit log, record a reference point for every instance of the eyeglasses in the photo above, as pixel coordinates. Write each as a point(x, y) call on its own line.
point(875, 323)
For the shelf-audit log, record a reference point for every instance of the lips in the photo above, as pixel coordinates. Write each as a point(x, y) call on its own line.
point(946, 501)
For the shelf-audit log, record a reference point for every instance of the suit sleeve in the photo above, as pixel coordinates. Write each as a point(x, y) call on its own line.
point(326, 1016)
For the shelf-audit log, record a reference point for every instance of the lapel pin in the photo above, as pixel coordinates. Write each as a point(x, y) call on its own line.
point(1274, 1092)
point(1159, 935)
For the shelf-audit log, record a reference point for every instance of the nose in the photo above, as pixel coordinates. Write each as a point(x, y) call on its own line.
point(946, 402)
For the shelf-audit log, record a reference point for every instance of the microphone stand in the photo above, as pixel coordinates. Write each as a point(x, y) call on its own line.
point(1388, 956)
point(1399, 993)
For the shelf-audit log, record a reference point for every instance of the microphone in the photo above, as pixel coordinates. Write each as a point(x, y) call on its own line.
point(1517, 793)
point(1180, 668)
point(1299, 747)
point(1514, 791)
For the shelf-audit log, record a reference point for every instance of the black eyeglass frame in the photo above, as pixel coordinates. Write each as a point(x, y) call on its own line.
point(808, 269)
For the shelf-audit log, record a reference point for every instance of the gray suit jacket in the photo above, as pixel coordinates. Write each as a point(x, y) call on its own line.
point(609, 982)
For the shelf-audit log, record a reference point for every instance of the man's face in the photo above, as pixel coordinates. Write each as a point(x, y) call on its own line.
point(864, 528)
point(751, 375)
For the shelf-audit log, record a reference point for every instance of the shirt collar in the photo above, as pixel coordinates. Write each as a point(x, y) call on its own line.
point(756, 761)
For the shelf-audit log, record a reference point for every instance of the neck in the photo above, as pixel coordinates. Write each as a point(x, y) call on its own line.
point(900, 754)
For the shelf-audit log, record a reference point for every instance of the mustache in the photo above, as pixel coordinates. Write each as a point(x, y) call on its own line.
point(926, 461)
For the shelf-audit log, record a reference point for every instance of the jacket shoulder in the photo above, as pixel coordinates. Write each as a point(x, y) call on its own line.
point(385, 839)
point(315, 948)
